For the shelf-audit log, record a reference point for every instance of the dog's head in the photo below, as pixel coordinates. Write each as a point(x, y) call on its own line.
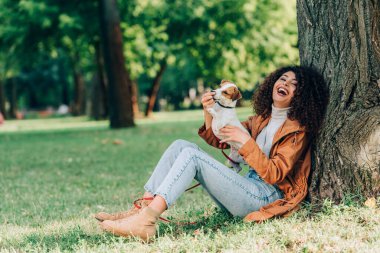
point(227, 94)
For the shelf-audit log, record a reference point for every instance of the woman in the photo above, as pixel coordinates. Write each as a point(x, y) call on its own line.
point(290, 105)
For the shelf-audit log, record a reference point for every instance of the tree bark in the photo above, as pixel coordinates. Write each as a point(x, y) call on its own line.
point(341, 39)
point(154, 89)
point(119, 82)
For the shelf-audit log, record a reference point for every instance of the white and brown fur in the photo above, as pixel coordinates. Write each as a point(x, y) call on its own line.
point(223, 114)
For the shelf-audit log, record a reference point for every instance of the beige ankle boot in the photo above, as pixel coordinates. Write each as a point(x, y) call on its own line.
point(138, 205)
point(141, 225)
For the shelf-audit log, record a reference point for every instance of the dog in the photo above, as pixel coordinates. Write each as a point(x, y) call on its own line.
point(223, 113)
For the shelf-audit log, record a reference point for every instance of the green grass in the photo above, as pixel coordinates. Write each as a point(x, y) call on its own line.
point(56, 173)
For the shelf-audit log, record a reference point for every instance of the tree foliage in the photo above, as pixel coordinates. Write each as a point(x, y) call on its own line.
point(206, 40)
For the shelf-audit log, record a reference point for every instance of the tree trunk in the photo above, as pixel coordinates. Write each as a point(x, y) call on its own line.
point(2, 99)
point(99, 108)
point(341, 39)
point(65, 94)
point(78, 107)
point(65, 87)
point(96, 102)
point(13, 98)
point(119, 84)
point(154, 89)
point(135, 99)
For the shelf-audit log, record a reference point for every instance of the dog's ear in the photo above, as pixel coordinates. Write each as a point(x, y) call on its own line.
point(223, 82)
point(236, 95)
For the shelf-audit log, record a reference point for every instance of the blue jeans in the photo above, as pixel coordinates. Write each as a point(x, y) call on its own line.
point(184, 161)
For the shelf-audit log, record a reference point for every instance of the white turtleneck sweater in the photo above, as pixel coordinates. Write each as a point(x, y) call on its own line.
point(265, 138)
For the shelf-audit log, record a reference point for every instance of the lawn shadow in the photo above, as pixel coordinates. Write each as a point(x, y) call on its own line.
point(66, 241)
point(218, 220)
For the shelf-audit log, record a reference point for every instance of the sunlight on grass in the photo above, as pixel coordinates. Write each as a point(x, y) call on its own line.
point(84, 122)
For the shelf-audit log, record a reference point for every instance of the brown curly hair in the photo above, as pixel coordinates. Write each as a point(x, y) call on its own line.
point(309, 103)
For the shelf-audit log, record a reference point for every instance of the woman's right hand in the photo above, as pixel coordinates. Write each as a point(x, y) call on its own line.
point(207, 99)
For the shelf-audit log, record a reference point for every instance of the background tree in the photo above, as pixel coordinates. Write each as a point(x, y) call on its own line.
point(52, 49)
point(119, 82)
point(24, 32)
point(266, 41)
point(48, 46)
point(241, 40)
point(99, 100)
point(341, 39)
point(76, 36)
point(146, 45)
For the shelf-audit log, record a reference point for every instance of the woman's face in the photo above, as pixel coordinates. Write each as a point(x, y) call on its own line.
point(283, 90)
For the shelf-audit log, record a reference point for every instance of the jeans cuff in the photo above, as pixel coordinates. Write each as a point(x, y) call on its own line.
point(164, 196)
point(148, 189)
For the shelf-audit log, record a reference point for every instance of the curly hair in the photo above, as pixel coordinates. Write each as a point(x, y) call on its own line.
point(309, 103)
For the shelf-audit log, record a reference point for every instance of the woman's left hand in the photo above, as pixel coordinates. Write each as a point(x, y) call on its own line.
point(234, 134)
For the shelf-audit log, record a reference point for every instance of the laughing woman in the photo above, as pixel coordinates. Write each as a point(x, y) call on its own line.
point(289, 105)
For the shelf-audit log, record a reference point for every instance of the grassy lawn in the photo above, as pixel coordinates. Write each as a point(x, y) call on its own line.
point(56, 173)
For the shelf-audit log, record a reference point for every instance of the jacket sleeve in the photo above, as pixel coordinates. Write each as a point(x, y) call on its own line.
point(209, 137)
point(274, 169)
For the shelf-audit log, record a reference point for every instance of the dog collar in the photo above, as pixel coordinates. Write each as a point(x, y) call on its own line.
point(228, 107)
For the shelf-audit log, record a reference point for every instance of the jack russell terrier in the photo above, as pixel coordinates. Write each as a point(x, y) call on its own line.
point(223, 113)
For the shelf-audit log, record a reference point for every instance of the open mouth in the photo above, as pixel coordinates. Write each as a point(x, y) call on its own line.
point(282, 91)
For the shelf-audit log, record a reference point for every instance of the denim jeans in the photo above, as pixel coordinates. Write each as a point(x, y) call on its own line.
point(184, 161)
